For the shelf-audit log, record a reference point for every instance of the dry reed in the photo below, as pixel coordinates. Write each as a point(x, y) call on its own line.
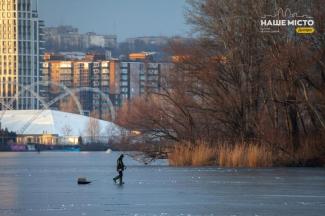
point(186, 154)
point(244, 155)
point(202, 154)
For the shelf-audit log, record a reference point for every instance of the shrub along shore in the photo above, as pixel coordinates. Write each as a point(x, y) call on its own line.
point(250, 155)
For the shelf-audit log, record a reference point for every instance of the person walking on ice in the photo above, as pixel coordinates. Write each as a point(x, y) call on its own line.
point(119, 168)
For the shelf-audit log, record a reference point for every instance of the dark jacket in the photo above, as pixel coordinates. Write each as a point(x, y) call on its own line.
point(120, 165)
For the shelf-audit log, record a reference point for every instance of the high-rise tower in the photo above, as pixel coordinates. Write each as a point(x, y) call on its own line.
point(19, 54)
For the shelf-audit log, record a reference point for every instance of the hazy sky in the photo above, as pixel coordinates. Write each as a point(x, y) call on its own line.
point(126, 18)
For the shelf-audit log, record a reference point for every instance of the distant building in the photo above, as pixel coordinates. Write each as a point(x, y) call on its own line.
point(50, 127)
point(140, 78)
point(120, 80)
point(142, 56)
point(73, 55)
point(68, 38)
point(64, 37)
point(75, 74)
point(20, 51)
point(91, 39)
point(152, 40)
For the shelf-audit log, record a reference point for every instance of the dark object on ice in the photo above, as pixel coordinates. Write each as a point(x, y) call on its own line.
point(119, 168)
point(83, 181)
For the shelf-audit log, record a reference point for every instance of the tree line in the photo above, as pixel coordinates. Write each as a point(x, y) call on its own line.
point(236, 84)
point(6, 135)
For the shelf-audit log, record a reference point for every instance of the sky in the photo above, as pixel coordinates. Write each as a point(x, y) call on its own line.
point(125, 18)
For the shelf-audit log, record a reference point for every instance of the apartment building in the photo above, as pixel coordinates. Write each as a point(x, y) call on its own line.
point(121, 81)
point(20, 51)
point(90, 78)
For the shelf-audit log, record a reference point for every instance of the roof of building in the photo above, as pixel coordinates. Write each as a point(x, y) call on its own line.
point(33, 122)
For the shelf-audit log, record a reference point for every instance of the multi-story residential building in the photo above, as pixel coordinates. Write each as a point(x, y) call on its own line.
point(64, 37)
point(19, 53)
point(139, 78)
point(67, 38)
point(141, 75)
point(91, 39)
point(91, 72)
point(120, 81)
point(104, 77)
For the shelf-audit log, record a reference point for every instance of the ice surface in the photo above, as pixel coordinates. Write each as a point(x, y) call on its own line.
point(44, 184)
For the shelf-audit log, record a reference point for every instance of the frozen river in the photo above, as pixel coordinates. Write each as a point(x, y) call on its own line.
point(44, 184)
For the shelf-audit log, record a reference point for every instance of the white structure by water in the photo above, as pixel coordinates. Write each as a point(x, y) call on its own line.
point(55, 127)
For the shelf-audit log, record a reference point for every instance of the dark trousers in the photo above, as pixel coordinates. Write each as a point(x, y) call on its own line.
point(120, 177)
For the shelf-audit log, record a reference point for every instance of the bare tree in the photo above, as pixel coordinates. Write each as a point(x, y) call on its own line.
point(93, 129)
point(236, 83)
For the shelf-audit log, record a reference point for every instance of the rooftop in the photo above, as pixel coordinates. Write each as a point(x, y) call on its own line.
point(33, 122)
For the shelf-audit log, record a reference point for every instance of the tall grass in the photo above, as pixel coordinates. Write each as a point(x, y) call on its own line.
point(185, 154)
point(244, 155)
point(310, 153)
point(201, 154)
